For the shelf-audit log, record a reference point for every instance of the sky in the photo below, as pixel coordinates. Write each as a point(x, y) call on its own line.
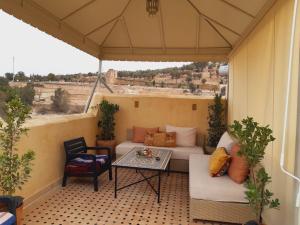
point(36, 52)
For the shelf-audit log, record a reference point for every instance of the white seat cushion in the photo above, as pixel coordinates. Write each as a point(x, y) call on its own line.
point(205, 187)
point(177, 152)
point(126, 146)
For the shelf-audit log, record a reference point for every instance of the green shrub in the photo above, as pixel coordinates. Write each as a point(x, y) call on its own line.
point(14, 168)
point(253, 140)
point(107, 120)
point(60, 100)
point(216, 121)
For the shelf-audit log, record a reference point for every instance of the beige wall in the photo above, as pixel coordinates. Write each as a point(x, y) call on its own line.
point(45, 138)
point(158, 111)
point(258, 75)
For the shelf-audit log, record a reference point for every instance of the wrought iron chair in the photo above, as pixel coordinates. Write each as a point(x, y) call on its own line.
point(81, 164)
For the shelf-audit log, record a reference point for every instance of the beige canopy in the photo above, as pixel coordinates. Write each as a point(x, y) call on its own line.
point(182, 30)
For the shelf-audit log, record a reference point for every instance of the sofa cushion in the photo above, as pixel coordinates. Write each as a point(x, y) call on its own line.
point(185, 136)
point(149, 138)
point(170, 139)
point(160, 139)
point(226, 141)
point(139, 133)
point(7, 218)
point(205, 187)
point(177, 152)
point(219, 162)
point(85, 165)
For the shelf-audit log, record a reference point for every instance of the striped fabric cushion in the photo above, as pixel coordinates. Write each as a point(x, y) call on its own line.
point(99, 159)
point(84, 164)
point(7, 218)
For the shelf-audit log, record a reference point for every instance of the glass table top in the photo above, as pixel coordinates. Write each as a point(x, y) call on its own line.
point(132, 160)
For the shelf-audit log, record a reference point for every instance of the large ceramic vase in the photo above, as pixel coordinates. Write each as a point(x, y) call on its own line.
point(107, 143)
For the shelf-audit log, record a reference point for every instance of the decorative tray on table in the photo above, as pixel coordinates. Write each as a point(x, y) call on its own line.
point(146, 153)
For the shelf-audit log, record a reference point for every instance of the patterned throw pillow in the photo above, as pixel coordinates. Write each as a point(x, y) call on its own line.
point(149, 138)
point(219, 162)
point(170, 139)
point(159, 139)
point(139, 133)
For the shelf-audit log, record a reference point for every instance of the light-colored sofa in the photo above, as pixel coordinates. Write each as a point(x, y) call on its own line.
point(179, 159)
point(180, 155)
point(211, 199)
point(215, 198)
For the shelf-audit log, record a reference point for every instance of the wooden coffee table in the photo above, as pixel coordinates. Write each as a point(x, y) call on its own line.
point(139, 163)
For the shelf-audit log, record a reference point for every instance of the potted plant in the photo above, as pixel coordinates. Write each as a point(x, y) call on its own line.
point(107, 125)
point(216, 123)
point(14, 168)
point(253, 140)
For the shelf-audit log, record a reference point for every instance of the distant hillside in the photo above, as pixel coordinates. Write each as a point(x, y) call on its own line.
point(173, 71)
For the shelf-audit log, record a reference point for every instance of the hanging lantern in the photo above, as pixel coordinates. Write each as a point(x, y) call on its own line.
point(152, 7)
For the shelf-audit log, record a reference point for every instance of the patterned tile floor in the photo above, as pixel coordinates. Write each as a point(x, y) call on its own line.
point(77, 203)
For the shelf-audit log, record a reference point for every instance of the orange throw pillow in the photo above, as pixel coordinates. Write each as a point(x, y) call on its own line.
point(159, 139)
point(139, 133)
point(238, 170)
point(170, 139)
point(149, 139)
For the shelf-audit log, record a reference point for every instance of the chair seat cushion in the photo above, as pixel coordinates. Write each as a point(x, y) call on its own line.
point(203, 186)
point(7, 218)
point(85, 165)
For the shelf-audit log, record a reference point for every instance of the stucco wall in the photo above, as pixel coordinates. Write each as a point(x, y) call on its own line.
point(158, 111)
point(46, 137)
point(258, 76)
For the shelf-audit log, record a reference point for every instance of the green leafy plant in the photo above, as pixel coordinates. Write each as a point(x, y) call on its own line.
point(107, 120)
point(216, 121)
point(253, 140)
point(14, 168)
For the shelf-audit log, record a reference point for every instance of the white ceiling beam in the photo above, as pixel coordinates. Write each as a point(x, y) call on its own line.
point(127, 32)
point(213, 20)
point(77, 10)
point(238, 8)
point(198, 32)
point(109, 32)
point(60, 23)
point(218, 32)
point(161, 26)
point(265, 9)
point(111, 20)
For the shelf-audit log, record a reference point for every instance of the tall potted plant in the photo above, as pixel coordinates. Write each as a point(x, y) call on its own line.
point(253, 140)
point(216, 123)
point(14, 168)
point(107, 124)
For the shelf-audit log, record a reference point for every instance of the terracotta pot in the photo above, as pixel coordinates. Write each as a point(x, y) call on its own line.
point(19, 212)
point(107, 143)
